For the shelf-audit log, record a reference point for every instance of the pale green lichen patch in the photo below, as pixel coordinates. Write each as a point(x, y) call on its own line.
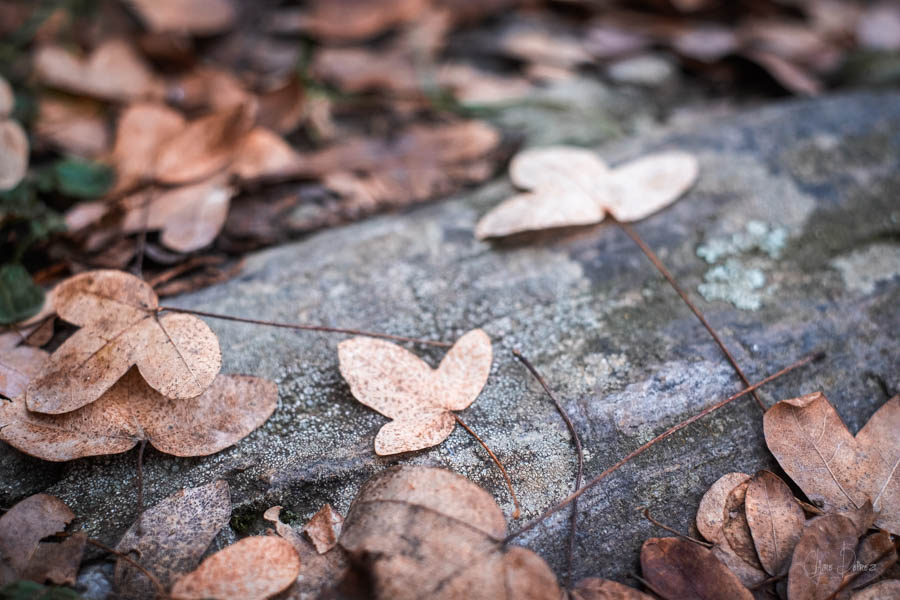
point(733, 282)
point(757, 236)
point(862, 270)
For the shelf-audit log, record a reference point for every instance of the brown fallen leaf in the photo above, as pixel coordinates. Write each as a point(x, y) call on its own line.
point(264, 155)
point(205, 146)
point(18, 363)
point(142, 130)
point(888, 589)
point(875, 554)
point(418, 399)
point(349, 20)
point(736, 530)
point(23, 527)
point(821, 557)
point(814, 447)
point(57, 562)
point(594, 588)
point(7, 99)
point(177, 354)
point(253, 568)
point(13, 154)
point(208, 88)
point(678, 569)
point(573, 186)
point(283, 107)
point(113, 71)
point(358, 70)
point(169, 538)
point(198, 17)
point(131, 411)
point(776, 521)
point(74, 125)
point(421, 532)
point(324, 528)
point(471, 85)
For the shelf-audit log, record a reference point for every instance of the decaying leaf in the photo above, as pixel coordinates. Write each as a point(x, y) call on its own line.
point(572, 186)
point(23, 527)
point(13, 154)
point(875, 554)
point(74, 125)
point(594, 588)
point(200, 17)
point(776, 521)
point(888, 589)
point(142, 130)
point(736, 529)
point(7, 99)
point(349, 20)
point(823, 555)
point(679, 569)
point(177, 354)
point(265, 155)
point(57, 562)
point(253, 568)
point(283, 107)
point(131, 411)
point(169, 538)
point(324, 528)
point(421, 532)
point(18, 363)
point(402, 387)
point(833, 467)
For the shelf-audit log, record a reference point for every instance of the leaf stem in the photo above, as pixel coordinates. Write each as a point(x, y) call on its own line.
point(649, 517)
point(496, 460)
point(160, 590)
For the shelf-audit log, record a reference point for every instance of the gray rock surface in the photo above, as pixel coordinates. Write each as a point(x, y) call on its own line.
point(626, 357)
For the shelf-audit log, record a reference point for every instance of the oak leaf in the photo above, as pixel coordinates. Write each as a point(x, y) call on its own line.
point(177, 354)
point(572, 186)
point(776, 521)
point(419, 399)
point(23, 527)
point(823, 555)
point(253, 568)
point(678, 569)
point(421, 532)
point(814, 447)
point(131, 411)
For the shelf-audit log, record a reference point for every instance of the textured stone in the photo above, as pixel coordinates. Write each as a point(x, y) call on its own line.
point(626, 357)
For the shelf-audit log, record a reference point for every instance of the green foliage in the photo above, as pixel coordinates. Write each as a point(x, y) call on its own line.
point(82, 179)
point(29, 590)
point(20, 298)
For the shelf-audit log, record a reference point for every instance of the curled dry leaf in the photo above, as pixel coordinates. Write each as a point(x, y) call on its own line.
point(131, 411)
point(200, 17)
point(821, 558)
point(736, 529)
point(74, 125)
point(421, 532)
point(18, 363)
point(205, 146)
point(875, 554)
point(888, 589)
point(113, 71)
point(594, 588)
point(776, 521)
point(13, 154)
point(678, 569)
point(169, 538)
point(833, 467)
point(572, 186)
point(23, 527)
point(324, 528)
point(143, 128)
point(402, 387)
point(253, 568)
point(177, 354)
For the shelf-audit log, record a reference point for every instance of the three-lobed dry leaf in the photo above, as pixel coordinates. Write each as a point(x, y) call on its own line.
point(418, 399)
point(169, 539)
point(23, 527)
point(677, 569)
point(573, 186)
point(177, 354)
point(421, 532)
point(131, 411)
point(776, 521)
point(814, 447)
point(594, 588)
point(253, 568)
point(324, 528)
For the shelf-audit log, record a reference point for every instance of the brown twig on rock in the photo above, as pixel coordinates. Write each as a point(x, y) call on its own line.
point(496, 460)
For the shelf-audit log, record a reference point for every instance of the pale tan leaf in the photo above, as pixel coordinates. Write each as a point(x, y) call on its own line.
point(18, 364)
point(735, 528)
point(22, 528)
point(209, 88)
point(143, 128)
point(399, 385)
point(888, 589)
point(650, 183)
point(881, 436)
point(7, 99)
point(169, 538)
point(821, 558)
point(711, 511)
point(253, 568)
point(113, 71)
point(776, 521)
point(199, 17)
point(13, 154)
point(283, 107)
point(74, 125)
point(594, 588)
point(265, 155)
point(131, 411)
point(176, 353)
point(678, 569)
point(324, 528)
point(348, 20)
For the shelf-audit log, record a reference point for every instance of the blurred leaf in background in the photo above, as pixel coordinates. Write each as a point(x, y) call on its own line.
point(20, 298)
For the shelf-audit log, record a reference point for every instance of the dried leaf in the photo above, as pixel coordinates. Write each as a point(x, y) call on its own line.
point(113, 71)
point(205, 146)
point(170, 538)
point(711, 512)
point(176, 353)
point(324, 528)
point(57, 562)
point(471, 85)
point(421, 532)
point(18, 364)
point(282, 108)
point(23, 527)
point(131, 411)
point(888, 589)
point(595, 588)
point(265, 155)
point(349, 20)
point(7, 99)
point(402, 387)
point(680, 569)
point(776, 521)
point(253, 568)
point(13, 154)
point(736, 529)
point(208, 88)
point(821, 558)
point(74, 125)
point(830, 465)
point(199, 17)
point(143, 128)
point(875, 554)
point(572, 186)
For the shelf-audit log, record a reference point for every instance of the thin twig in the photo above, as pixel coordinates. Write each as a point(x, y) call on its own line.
point(650, 518)
point(302, 327)
point(496, 460)
point(161, 591)
point(578, 451)
point(668, 432)
point(671, 279)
